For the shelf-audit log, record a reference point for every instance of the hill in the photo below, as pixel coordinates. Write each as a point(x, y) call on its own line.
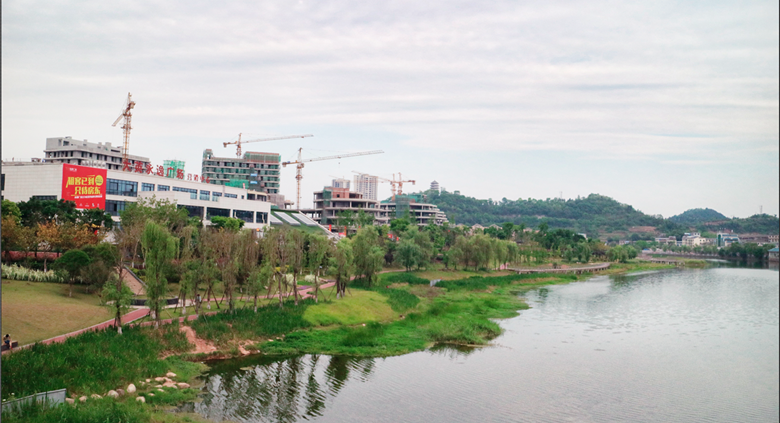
point(696, 217)
point(592, 214)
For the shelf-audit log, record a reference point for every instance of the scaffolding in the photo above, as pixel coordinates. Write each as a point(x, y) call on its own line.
point(172, 167)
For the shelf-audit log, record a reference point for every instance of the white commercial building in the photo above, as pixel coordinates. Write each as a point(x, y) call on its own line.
point(23, 181)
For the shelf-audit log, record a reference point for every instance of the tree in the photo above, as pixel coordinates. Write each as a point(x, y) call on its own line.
point(342, 265)
point(50, 237)
point(10, 209)
point(368, 254)
point(318, 247)
point(159, 248)
point(407, 253)
point(72, 262)
point(11, 232)
point(228, 223)
point(295, 244)
point(117, 296)
point(481, 251)
point(258, 280)
point(105, 260)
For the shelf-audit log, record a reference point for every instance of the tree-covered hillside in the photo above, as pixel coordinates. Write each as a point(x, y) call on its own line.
point(696, 217)
point(593, 214)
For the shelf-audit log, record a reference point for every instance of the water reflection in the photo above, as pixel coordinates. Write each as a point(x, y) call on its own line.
point(279, 390)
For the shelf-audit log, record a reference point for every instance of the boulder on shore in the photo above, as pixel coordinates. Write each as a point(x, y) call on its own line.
point(170, 374)
point(131, 389)
point(183, 385)
point(113, 394)
point(70, 400)
point(83, 399)
point(141, 399)
point(159, 379)
point(95, 396)
point(121, 391)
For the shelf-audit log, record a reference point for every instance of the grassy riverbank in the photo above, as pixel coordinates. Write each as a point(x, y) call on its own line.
point(401, 313)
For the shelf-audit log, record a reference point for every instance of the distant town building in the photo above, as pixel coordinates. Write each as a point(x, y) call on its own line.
point(773, 254)
point(84, 153)
point(726, 239)
point(366, 185)
point(666, 240)
point(255, 171)
point(693, 240)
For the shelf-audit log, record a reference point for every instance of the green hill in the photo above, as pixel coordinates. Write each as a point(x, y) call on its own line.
point(696, 217)
point(592, 214)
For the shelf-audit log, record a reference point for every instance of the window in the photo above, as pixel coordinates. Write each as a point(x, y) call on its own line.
point(147, 187)
point(163, 188)
point(204, 195)
point(114, 208)
point(262, 217)
point(190, 190)
point(44, 197)
point(213, 211)
point(245, 215)
point(193, 211)
point(120, 187)
point(231, 195)
point(2, 182)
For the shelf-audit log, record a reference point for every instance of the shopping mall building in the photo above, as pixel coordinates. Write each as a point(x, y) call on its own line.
point(113, 189)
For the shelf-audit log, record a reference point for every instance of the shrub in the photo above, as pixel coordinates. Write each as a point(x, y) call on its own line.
point(18, 273)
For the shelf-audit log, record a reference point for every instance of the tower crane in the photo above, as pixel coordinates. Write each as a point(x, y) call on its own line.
point(127, 114)
point(239, 142)
point(299, 165)
point(393, 182)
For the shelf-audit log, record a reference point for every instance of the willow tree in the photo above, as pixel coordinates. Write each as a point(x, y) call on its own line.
point(318, 247)
point(368, 254)
point(295, 254)
point(342, 265)
point(159, 248)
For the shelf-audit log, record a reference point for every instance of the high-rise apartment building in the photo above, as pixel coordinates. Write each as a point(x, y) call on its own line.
point(366, 185)
point(84, 153)
point(255, 171)
point(341, 183)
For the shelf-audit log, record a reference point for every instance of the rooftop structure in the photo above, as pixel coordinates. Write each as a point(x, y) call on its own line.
point(256, 171)
point(435, 186)
point(85, 153)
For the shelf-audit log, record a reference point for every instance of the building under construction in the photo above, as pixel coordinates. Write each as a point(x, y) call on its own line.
point(255, 171)
point(331, 202)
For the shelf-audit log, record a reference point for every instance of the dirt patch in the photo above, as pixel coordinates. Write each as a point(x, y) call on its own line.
point(423, 291)
point(201, 346)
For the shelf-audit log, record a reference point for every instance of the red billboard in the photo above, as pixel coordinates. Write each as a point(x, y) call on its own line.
point(86, 186)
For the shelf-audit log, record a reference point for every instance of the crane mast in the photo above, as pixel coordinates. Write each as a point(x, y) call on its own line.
point(299, 166)
point(127, 114)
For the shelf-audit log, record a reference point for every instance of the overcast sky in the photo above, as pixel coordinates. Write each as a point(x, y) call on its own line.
point(663, 105)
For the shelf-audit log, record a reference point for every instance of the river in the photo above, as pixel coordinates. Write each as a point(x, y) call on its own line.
point(668, 346)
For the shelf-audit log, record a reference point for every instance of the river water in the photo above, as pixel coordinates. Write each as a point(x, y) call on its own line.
point(669, 346)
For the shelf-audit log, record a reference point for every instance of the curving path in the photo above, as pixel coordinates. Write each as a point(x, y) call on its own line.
point(143, 312)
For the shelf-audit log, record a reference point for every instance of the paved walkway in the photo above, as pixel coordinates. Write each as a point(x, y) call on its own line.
point(304, 291)
point(580, 269)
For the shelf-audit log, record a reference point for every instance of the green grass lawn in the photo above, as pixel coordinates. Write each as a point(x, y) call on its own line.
point(34, 311)
point(358, 306)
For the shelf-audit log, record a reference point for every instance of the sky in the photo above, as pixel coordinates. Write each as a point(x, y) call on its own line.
point(662, 105)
